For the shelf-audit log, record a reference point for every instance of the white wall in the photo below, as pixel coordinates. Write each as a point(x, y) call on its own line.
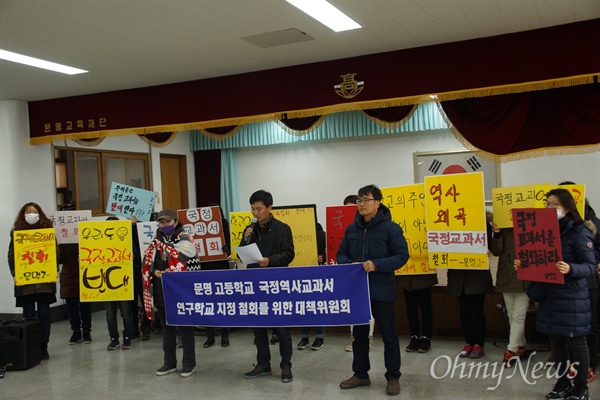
point(325, 173)
point(27, 174)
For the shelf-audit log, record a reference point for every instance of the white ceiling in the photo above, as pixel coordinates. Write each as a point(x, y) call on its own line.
point(136, 43)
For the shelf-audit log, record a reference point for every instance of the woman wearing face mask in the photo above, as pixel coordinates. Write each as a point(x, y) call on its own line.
point(564, 311)
point(170, 247)
point(31, 216)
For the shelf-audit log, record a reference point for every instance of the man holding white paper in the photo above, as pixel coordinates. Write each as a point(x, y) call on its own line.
point(276, 245)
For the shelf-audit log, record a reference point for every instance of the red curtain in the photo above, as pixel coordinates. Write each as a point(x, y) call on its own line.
point(513, 123)
point(390, 114)
point(208, 177)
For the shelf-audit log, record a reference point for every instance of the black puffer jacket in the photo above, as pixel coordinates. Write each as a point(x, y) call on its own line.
point(565, 310)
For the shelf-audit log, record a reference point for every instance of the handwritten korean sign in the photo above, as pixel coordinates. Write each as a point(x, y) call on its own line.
point(238, 221)
point(66, 224)
point(207, 228)
point(578, 192)
point(456, 230)
point(35, 256)
point(127, 201)
point(337, 220)
point(105, 260)
point(506, 198)
point(407, 205)
point(146, 232)
point(537, 244)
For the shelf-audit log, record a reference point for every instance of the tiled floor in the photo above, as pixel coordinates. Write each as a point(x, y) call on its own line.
point(89, 371)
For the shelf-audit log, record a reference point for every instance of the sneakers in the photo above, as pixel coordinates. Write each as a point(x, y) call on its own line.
point(466, 351)
point(186, 372)
point(303, 344)
point(424, 344)
point(286, 374)
point(579, 393)
point(354, 382)
point(165, 370)
point(126, 343)
point(75, 338)
point(258, 371)
point(591, 375)
point(476, 352)
point(349, 345)
point(224, 340)
point(87, 337)
point(371, 343)
point(393, 387)
point(113, 345)
point(560, 391)
point(210, 341)
point(317, 344)
point(413, 345)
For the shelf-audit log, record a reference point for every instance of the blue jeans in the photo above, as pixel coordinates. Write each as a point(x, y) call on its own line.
point(80, 314)
point(319, 330)
point(188, 341)
point(43, 314)
point(111, 319)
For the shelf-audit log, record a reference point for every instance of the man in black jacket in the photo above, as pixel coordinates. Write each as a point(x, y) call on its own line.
point(275, 242)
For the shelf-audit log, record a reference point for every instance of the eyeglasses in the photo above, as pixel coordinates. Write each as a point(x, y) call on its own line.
point(361, 201)
point(551, 204)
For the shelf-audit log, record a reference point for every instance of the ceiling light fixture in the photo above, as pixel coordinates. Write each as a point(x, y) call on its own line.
point(36, 62)
point(326, 14)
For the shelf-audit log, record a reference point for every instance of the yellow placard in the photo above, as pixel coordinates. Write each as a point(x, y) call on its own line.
point(578, 192)
point(302, 221)
point(35, 256)
point(455, 220)
point(506, 198)
point(407, 205)
point(238, 221)
point(105, 261)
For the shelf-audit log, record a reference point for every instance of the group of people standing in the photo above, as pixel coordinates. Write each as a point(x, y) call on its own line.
point(566, 312)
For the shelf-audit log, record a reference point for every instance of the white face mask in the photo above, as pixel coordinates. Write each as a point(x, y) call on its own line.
point(32, 218)
point(559, 213)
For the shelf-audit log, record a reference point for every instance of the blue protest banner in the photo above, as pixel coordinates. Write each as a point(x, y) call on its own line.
point(266, 297)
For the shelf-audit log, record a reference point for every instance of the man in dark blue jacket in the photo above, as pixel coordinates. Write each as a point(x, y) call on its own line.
point(379, 244)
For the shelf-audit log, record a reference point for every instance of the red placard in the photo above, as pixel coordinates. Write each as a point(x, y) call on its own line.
point(337, 219)
point(537, 244)
point(207, 228)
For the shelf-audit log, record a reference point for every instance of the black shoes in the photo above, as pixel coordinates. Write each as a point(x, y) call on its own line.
point(87, 337)
point(317, 344)
point(303, 344)
point(75, 338)
point(258, 371)
point(274, 338)
point(414, 344)
point(224, 341)
point(286, 374)
point(210, 340)
point(424, 344)
point(560, 391)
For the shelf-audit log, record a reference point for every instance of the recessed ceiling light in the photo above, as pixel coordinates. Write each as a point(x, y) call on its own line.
point(36, 62)
point(326, 14)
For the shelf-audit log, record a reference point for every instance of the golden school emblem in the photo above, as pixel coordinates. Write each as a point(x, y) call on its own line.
point(349, 87)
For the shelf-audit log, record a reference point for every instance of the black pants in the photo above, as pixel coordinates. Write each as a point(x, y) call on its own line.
point(263, 353)
point(566, 350)
point(188, 342)
point(415, 300)
point(594, 336)
point(472, 318)
point(383, 313)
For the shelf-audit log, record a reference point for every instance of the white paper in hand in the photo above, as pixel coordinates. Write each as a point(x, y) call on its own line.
point(248, 254)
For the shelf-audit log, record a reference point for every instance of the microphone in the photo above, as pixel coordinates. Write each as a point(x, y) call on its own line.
point(252, 224)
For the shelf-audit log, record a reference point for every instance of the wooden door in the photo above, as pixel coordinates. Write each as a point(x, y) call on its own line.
point(173, 177)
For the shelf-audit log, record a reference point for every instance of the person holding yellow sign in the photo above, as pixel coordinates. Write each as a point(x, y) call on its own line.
point(32, 217)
